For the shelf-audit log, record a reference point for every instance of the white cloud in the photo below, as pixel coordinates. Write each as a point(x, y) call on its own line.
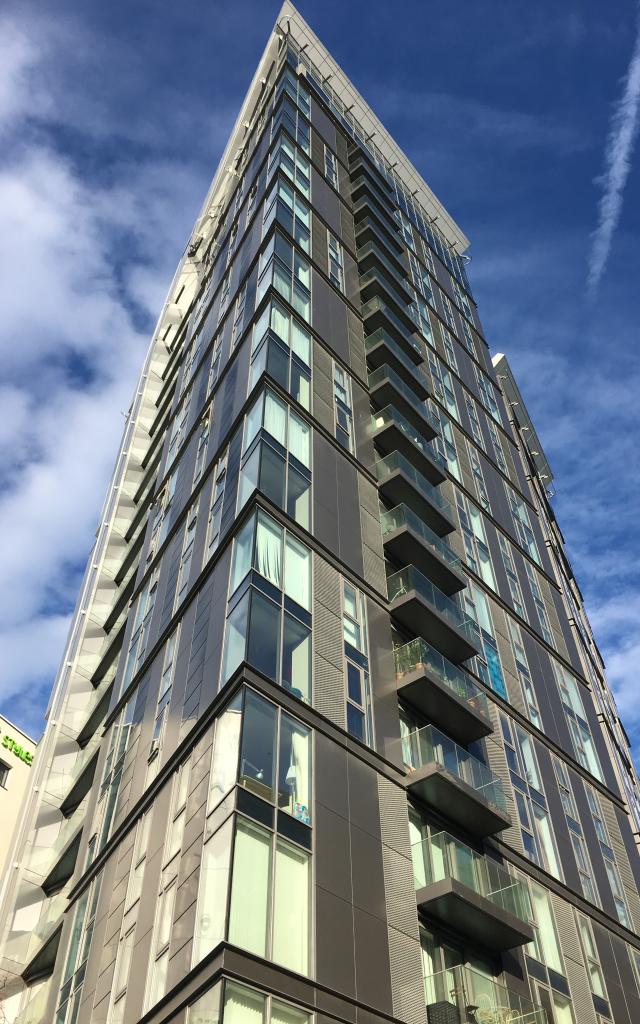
point(617, 160)
point(78, 253)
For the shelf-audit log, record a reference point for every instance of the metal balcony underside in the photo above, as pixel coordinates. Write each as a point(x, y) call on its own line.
point(442, 706)
point(446, 793)
point(457, 906)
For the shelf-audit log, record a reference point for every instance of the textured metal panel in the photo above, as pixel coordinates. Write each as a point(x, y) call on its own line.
point(400, 893)
point(328, 644)
point(622, 860)
point(497, 763)
point(323, 387)
point(394, 819)
point(319, 251)
point(574, 963)
point(407, 985)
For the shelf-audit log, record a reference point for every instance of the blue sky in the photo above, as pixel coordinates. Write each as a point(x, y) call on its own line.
point(112, 119)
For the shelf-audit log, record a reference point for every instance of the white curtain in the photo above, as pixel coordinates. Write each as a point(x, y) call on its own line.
point(275, 418)
point(224, 767)
point(242, 1005)
point(299, 434)
point(280, 321)
point(299, 769)
point(250, 888)
point(283, 1013)
point(291, 908)
point(297, 573)
point(268, 559)
point(300, 342)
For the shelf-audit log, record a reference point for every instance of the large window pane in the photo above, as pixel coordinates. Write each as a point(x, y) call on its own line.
point(224, 766)
point(250, 888)
point(257, 758)
point(299, 435)
point(212, 896)
point(294, 772)
point(297, 573)
point(264, 635)
point(298, 496)
point(206, 1009)
point(296, 658)
point(291, 908)
point(235, 641)
point(249, 477)
point(268, 557)
point(242, 1005)
point(275, 417)
point(242, 554)
point(272, 475)
point(284, 1013)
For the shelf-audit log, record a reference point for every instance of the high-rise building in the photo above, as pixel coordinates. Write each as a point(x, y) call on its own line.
point(331, 738)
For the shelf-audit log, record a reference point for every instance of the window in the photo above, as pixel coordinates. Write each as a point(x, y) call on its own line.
point(4, 774)
point(78, 954)
point(283, 268)
point(447, 309)
point(474, 420)
point(242, 1004)
point(162, 703)
point(335, 261)
point(461, 300)
point(522, 523)
point(251, 198)
point(443, 385)
point(224, 295)
point(545, 946)
point(214, 369)
point(358, 697)
point(609, 857)
point(487, 665)
point(238, 316)
point(161, 516)
point(190, 361)
point(467, 337)
point(203, 441)
point(488, 395)
point(496, 444)
point(219, 475)
point(290, 109)
point(538, 600)
point(427, 256)
point(515, 590)
point(524, 675)
point(288, 158)
point(126, 940)
point(405, 228)
point(444, 444)
point(282, 348)
point(286, 207)
point(343, 407)
point(571, 698)
point(265, 865)
point(536, 827)
point(182, 583)
point(478, 477)
point(449, 348)
point(269, 616)
point(330, 167)
point(179, 428)
point(421, 281)
point(233, 237)
point(591, 958)
point(477, 554)
point(140, 633)
point(276, 457)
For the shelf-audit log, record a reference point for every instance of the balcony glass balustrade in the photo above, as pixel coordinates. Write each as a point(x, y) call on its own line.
point(43, 858)
point(387, 387)
point(393, 430)
point(377, 313)
point(442, 691)
point(471, 893)
point(465, 995)
point(400, 481)
point(411, 579)
point(436, 765)
point(381, 348)
point(402, 516)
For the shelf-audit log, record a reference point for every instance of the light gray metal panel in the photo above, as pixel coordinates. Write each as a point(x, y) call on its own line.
point(407, 985)
point(574, 964)
point(622, 860)
point(498, 764)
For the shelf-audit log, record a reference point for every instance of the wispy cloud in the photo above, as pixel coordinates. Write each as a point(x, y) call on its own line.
point(617, 160)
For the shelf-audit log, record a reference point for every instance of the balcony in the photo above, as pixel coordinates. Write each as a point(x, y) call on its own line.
point(392, 432)
point(44, 859)
point(400, 483)
point(370, 229)
point(453, 782)
point(370, 203)
point(470, 893)
point(364, 184)
point(421, 608)
point(377, 313)
point(387, 388)
point(442, 691)
point(375, 285)
point(460, 995)
point(410, 541)
point(375, 255)
point(382, 350)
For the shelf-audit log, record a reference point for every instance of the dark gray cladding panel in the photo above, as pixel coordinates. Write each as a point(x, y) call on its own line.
point(335, 955)
point(383, 686)
point(325, 492)
point(350, 548)
point(324, 126)
point(330, 317)
point(327, 204)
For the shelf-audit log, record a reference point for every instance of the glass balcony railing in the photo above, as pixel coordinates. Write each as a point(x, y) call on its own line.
point(389, 416)
point(33, 1012)
point(430, 746)
point(53, 907)
point(401, 516)
point(372, 252)
point(43, 858)
point(477, 998)
point(418, 655)
point(60, 781)
point(410, 578)
point(443, 857)
point(386, 375)
point(376, 282)
point(377, 306)
point(397, 462)
point(380, 336)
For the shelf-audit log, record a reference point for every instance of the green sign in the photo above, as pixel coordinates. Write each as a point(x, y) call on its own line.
point(10, 744)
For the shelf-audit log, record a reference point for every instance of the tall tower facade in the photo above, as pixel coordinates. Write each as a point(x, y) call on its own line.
point(331, 738)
